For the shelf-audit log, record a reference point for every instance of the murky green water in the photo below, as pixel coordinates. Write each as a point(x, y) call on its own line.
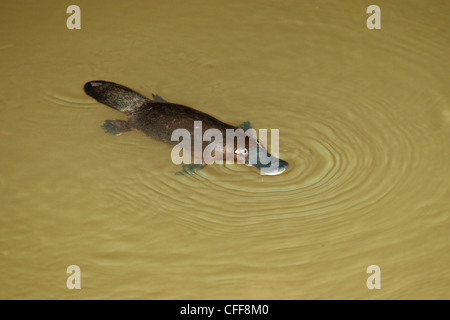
point(364, 120)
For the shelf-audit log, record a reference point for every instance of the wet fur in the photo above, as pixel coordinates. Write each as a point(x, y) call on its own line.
point(156, 119)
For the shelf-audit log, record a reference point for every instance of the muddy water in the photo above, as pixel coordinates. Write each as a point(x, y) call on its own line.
point(364, 120)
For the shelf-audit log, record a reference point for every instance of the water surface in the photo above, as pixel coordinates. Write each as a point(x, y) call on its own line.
point(364, 120)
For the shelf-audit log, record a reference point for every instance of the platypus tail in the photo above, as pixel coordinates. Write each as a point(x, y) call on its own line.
point(114, 95)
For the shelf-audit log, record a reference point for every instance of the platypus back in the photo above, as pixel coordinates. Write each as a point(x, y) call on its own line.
point(159, 119)
point(120, 98)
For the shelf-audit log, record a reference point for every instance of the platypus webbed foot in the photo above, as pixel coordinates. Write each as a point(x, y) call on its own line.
point(115, 127)
point(190, 169)
point(245, 125)
point(158, 98)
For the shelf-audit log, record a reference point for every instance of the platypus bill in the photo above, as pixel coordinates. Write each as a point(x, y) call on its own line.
point(158, 119)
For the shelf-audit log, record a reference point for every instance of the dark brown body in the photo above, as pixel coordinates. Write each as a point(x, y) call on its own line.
point(158, 119)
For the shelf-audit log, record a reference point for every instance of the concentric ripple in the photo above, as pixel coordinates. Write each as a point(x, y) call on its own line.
point(343, 162)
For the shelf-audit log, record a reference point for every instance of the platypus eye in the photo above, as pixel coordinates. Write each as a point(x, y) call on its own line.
point(242, 151)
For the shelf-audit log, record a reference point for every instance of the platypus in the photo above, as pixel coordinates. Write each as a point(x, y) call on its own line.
point(158, 119)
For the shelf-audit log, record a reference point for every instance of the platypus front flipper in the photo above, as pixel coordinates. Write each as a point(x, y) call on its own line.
point(158, 98)
point(245, 125)
point(115, 127)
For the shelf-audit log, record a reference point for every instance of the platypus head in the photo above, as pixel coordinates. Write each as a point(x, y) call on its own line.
point(114, 95)
point(253, 153)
